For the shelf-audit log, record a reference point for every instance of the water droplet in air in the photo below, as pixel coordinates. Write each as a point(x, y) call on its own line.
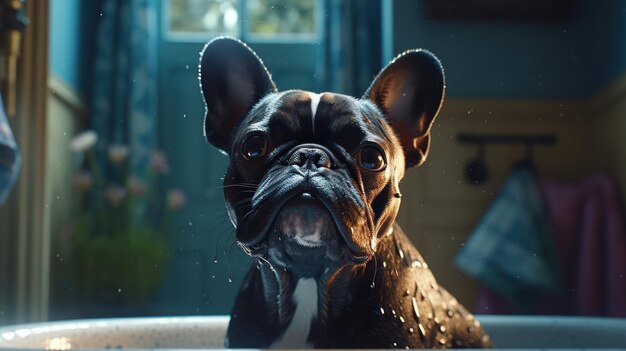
point(395, 344)
point(230, 278)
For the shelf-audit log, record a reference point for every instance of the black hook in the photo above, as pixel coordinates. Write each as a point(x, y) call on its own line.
point(476, 170)
point(527, 161)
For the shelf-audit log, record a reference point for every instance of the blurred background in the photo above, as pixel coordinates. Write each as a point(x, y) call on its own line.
point(117, 209)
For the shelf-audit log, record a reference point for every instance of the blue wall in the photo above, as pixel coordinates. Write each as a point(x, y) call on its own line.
point(71, 38)
point(570, 59)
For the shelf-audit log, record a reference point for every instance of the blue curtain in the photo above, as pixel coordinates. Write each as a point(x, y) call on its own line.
point(125, 77)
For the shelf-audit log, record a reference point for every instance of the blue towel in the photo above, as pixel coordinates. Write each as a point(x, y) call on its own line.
point(10, 159)
point(511, 250)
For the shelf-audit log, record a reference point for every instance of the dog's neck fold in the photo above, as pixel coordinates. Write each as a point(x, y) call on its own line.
point(280, 285)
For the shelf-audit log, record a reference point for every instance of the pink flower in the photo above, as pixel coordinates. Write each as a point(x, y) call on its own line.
point(84, 141)
point(117, 153)
point(83, 180)
point(176, 199)
point(158, 162)
point(115, 194)
point(136, 186)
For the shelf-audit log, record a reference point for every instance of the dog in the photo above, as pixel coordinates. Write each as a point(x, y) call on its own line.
point(312, 189)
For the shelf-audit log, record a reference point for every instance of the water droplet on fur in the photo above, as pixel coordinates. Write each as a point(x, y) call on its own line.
point(450, 313)
point(401, 319)
point(411, 330)
point(373, 285)
point(384, 264)
point(422, 331)
point(442, 341)
point(395, 344)
point(393, 312)
point(442, 328)
point(400, 252)
point(407, 292)
point(382, 310)
point(416, 264)
point(470, 330)
point(416, 311)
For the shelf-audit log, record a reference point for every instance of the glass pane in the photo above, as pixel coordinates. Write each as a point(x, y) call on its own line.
point(204, 16)
point(279, 17)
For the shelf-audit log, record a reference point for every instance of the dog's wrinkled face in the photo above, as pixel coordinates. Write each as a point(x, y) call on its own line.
point(326, 170)
point(313, 178)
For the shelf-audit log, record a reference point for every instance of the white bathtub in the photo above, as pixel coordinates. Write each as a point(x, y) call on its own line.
point(208, 332)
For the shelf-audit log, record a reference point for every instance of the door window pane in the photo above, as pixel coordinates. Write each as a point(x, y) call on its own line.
point(219, 17)
point(292, 18)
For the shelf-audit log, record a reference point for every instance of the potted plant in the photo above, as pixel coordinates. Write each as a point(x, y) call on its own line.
point(120, 247)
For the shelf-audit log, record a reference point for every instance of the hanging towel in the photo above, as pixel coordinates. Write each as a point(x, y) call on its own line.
point(10, 159)
point(590, 234)
point(511, 249)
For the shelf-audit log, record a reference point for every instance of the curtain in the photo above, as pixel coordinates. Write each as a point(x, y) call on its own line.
point(125, 77)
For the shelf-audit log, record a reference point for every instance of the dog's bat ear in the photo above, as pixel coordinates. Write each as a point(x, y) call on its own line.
point(410, 91)
point(233, 79)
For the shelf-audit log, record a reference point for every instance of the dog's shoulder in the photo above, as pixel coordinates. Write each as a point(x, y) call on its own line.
point(427, 309)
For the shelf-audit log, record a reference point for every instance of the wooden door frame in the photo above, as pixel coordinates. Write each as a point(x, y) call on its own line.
point(25, 233)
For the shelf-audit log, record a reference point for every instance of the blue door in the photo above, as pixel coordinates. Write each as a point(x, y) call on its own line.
point(207, 266)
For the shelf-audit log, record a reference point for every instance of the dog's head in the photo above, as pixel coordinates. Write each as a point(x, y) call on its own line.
point(313, 178)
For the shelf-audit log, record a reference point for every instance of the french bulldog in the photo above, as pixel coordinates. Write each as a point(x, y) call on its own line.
point(312, 189)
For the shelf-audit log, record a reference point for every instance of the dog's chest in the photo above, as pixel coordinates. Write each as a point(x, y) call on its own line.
point(297, 332)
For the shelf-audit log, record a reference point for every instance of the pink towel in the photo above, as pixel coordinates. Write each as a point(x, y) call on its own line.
point(587, 220)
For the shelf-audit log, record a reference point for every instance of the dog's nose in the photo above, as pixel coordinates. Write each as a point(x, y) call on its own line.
point(310, 156)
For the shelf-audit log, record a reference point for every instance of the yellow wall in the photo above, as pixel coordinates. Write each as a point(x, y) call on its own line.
point(440, 207)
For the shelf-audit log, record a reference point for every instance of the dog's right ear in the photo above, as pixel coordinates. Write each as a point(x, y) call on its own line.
point(233, 79)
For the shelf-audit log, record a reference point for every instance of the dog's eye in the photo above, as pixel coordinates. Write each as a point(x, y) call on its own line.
point(372, 159)
point(255, 146)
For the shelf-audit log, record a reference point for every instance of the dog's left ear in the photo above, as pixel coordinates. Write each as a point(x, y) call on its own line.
point(409, 91)
point(233, 79)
